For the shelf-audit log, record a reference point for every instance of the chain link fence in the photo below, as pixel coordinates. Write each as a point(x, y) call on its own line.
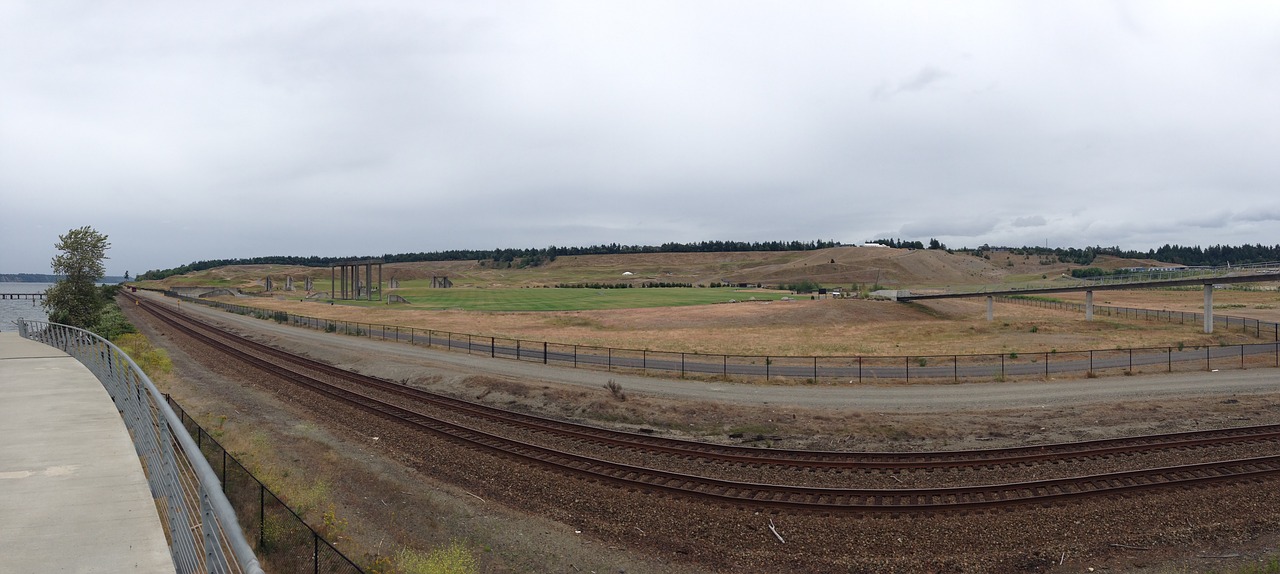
point(831, 369)
point(283, 540)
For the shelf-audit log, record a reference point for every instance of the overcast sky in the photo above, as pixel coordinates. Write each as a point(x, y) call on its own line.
point(200, 130)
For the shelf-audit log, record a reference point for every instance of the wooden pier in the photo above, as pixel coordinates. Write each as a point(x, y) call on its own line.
point(32, 296)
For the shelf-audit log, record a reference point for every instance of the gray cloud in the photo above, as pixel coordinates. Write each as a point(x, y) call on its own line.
point(919, 81)
point(235, 129)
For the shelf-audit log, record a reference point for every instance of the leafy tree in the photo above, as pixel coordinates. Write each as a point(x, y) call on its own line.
point(75, 300)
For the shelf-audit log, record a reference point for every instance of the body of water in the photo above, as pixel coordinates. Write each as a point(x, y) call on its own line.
point(11, 311)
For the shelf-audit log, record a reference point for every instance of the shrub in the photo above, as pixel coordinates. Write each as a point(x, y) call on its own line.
point(615, 389)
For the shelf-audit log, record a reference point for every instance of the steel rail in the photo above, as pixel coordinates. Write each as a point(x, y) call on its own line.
point(774, 457)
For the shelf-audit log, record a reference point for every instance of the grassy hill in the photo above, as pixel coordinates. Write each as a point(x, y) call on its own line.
point(835, 267)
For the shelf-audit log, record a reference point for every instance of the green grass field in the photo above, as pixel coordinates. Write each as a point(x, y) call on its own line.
point(551, 299)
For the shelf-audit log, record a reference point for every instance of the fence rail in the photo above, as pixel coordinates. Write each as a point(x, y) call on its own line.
point(199, 522)
point(826, 369)
point(282, 538)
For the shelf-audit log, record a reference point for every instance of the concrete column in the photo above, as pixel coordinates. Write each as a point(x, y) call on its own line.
point(1088, 305)
point(1208, 307)
point(991, 312)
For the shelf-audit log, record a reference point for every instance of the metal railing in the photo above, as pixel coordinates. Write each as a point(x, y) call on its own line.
point(199, 522)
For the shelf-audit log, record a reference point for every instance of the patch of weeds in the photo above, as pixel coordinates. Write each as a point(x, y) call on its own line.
point(381, 565)
point(330, 327)
point(1035, 329)
point(1013, 355)
point(154, 361)
point(922, 361)
point(334, 525)
point(1091, 375)
point(753, 430)
point(1270, 565)
point(308, 498)
point(615, 389)
point(455, 558)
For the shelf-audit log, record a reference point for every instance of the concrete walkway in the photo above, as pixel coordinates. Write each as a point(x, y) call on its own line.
point(73, 497)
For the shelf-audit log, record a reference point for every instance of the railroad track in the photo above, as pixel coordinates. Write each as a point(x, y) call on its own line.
point(752, 494)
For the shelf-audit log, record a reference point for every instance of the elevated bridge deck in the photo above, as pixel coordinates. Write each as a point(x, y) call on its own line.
point(1205, 276)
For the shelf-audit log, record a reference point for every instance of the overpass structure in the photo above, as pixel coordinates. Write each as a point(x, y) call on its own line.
point(1208, 277)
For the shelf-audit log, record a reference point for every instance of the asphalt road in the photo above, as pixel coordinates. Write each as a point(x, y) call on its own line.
point(913, 398)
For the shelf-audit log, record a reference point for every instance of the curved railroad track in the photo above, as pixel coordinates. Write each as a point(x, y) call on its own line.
point(753, 494)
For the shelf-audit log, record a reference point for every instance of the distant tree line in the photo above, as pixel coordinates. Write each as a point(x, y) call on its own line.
point(899, 244)
point(1216, 255)
point(1212, 256)
point(503, 258)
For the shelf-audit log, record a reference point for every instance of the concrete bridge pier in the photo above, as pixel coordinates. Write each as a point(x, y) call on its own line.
point(1088, 305)
point(991, 311)
point(1208, 308)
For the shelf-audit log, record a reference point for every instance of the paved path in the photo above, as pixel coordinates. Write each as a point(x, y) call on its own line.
point(73, 497)
point(870, 398)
